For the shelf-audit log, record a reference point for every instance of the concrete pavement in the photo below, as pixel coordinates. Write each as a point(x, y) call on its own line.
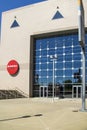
point(42, 114)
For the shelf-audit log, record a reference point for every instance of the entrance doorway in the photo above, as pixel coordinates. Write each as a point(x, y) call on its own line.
point(76, 91)
point(43, 91)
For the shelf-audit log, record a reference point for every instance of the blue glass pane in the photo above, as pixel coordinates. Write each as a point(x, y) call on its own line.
point(68, 41)
point(59, 65)
point(44, 53)
point(43, 81)
point(59, 51)
point(51, 52)
point(60, 58)
point(68, 72)
point(59, 42)
point(77, 49)
point(44, 73)
point(50, 65)
point(77, 64)
point(43, 59)
point(49, 81)
point(44, 44)
point(68, 50)
point(68, 57)
point(43, 66)
point(50, 73)
point(77, 57)
point(59, 73)
point(68, 64)
point(75, 40)
point(51, 43)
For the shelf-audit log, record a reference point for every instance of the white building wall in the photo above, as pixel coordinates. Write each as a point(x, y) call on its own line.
point(33, 19)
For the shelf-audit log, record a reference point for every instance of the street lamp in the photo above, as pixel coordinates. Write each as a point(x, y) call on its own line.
point(53, 58)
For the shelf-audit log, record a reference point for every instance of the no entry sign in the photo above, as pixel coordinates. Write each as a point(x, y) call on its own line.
point(12, 67)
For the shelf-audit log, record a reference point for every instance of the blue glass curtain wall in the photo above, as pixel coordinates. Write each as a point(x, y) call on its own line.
point(68, 65)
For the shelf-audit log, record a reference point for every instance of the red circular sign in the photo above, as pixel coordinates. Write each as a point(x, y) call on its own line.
point(12, 67)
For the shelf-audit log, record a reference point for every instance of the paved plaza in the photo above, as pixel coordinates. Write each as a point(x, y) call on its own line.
point(42, 114)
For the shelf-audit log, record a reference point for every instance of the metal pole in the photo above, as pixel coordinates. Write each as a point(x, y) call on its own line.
point(53, 77)
point(83, 82)
point(82, 43)
point(53, 57)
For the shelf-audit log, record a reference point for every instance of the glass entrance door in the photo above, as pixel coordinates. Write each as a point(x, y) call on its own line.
point(76, 91)
point(43, 91)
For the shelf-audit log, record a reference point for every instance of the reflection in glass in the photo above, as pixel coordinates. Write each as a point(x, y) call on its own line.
point(68, 63)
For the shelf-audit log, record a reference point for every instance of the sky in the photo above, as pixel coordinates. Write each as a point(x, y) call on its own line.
point(12, 4)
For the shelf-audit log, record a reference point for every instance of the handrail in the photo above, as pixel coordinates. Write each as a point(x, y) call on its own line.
point(4, 94)
point(11, 93)
point(23, 93)
point(8, 92)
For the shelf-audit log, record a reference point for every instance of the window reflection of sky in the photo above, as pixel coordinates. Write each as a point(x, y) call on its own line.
point(69, 58)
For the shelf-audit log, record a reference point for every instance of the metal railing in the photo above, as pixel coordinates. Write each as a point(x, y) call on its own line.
point(12, 93)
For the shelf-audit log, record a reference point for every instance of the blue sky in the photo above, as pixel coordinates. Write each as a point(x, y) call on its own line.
point(11, 4)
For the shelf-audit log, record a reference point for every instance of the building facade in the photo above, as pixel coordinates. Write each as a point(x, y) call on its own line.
point(31, 38)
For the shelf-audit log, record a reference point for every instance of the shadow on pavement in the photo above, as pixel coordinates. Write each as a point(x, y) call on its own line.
point(26, 116)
